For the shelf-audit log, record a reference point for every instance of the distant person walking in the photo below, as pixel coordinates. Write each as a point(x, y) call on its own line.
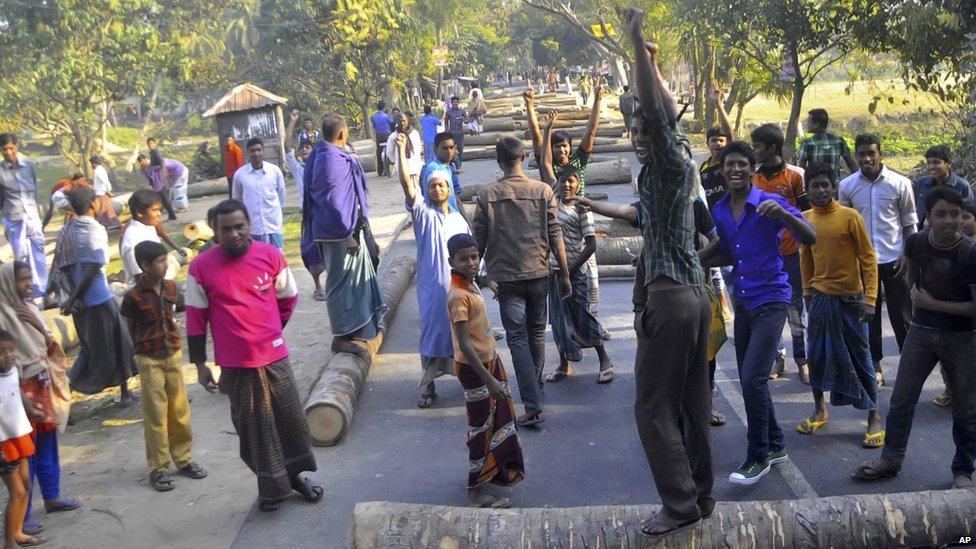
point(260, 186)
point(21, 218)
point(454, 120)
point(233, 159)
point(382, 124)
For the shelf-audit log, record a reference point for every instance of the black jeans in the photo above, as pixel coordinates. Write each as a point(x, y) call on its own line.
point(167, 204)
point(672, 406)
point(895, 292)
point(522, 305)
point(459, 143)
point(381, 166)
point(230, 187)
point(923, 348)
point(757, 333)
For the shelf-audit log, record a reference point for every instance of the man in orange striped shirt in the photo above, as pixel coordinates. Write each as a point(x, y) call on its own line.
point(774, 175)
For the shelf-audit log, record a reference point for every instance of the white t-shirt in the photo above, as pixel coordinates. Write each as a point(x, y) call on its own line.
point(13, 418)
point(416, 162)
point(135, 233)
point(100, 181)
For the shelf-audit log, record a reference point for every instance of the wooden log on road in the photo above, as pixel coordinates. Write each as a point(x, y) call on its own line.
point(489, 138)
point(479, 153)
point(505, 124)
point(207, 188)
point(868, 521)
point(613, 251)
point(332, 402)
point(603, 130)
point(615, 172)
point(617, 271)
point(594, 159)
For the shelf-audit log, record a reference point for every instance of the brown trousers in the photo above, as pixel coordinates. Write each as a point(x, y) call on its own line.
point(673, 405)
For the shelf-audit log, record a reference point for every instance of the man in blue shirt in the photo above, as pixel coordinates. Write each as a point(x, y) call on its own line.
point(939, 161)
point(749, 223)
point(428, 125)
point(382, 122)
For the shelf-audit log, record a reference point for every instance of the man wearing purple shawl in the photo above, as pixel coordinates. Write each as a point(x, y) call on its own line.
point(335, 209)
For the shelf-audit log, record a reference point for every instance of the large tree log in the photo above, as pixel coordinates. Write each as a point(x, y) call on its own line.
point(594, 159)
point(207, 188)
point(603, 130)
point(617, 271)
point(331, 404)
point(490, 138)
point(614, 172)
point(613, 251)
point(479, 153)
point(506, 124)
point(367, 159)
point(868, 521)
point(620, 145)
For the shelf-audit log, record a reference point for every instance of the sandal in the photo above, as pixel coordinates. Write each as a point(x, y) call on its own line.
point(63, 504)
point(311, 493)
point(32, 541)
point(193, 471)
point(606, 376)
point(875, 470)
point(161, 481)
point(269, 505)
point(810, 426)
point(662, 526)
point(318, 295)
point(873, 440)
point(32, 527)
point(717, 419)
point(426, 401)
point(560, 374)
point(943, 401)
point(128, 402)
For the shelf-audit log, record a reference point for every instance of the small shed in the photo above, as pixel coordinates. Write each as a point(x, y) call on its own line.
point(249, 111)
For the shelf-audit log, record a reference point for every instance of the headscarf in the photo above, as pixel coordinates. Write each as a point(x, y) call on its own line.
point(437, 173)
point(30, 344)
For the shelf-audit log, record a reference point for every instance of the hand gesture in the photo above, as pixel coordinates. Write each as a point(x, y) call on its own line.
point(528, 96)
point(70, 306)
point(565, 286)
point(867, 313)
point(401, 142)
point(24, 314)
point(294, 115)
point(497, 389)
point(582, 203)
point(352, 245)
point(205, 377)
point(633, 20)
point(652, 49)
point(551, 118)
point(493, 286)
point(921, 299)
point(771, 208)
point(718, 95)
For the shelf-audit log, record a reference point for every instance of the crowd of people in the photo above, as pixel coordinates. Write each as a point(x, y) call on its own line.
point(778, 244)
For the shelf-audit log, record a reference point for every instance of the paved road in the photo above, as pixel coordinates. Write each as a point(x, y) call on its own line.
point(587, 451)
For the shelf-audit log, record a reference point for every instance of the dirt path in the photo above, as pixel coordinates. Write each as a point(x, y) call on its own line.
point(103, 454)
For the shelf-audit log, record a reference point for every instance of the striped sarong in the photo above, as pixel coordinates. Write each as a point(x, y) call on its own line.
point(267, 414)
point(716, 331)
point(494, 450)
point(838, 354)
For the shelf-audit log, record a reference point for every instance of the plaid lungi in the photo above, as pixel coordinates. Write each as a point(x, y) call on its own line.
point(494, 450)
point(839, 356)
point(267, 414)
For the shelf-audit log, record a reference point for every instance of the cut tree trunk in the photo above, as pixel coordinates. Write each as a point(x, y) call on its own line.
point(613, 251)
point(488, 138)
point(505, 124)
point(617, 271)
point(206, 188)
point(868, 521)
point(332, 402)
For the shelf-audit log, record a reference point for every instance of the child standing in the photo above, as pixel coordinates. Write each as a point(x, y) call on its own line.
point(494, 450)
point(146, 224)
point(574, 327)
point(15, 446)
point(148, 307)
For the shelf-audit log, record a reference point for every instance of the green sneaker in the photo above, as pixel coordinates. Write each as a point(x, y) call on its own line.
point(749, 472)
point(777, 457)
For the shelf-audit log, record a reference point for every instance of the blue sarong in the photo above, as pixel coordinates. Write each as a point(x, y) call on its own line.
point(574, 327)
point(352, 292)
point(839, 356)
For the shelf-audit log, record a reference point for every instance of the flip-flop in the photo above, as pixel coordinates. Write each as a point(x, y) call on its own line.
point(64, 504)
point(269, 506)
point(193, 471)
point(161, 481)
point(810, 426)
point(318, 295)
point(426, 401)
point(32, 541)
point(868, 472)
point(717, 419)
point(32, 527)
point(676, 528)
point(943, 401)
point(557, 376)
point(605, 376)
point(311, 493)
point(873, 440)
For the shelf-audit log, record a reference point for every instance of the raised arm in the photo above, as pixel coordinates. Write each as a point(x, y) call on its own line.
point(803, 232)
point(409, 190)
point(290, 130)
point(545, 167)
point(723, 117)
point(589, 138)
point(528, 97)
point(648, 90)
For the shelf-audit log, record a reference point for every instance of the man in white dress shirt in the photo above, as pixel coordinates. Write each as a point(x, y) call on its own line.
point(886, 201)
point(260, 186)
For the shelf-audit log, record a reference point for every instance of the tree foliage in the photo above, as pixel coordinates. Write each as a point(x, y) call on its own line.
point(68, 61)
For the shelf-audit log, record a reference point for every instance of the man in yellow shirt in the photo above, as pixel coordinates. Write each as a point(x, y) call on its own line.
point(840, 284)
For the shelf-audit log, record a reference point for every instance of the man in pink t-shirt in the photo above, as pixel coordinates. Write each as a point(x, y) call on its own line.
point(246, 292)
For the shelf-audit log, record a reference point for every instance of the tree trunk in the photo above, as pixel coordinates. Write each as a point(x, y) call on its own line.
point(737, 129)
point(799, 87)
point(709, 86)
point(332, 402)
point(614, 251)
point(617, 271)
point(866, 521)
point(146, 122)
point(364, 112)
point(697, 76)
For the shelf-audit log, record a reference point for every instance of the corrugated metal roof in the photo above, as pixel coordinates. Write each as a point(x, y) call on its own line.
point(243, 97)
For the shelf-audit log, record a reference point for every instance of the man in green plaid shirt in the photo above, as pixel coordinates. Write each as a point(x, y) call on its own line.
point(824, 147)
